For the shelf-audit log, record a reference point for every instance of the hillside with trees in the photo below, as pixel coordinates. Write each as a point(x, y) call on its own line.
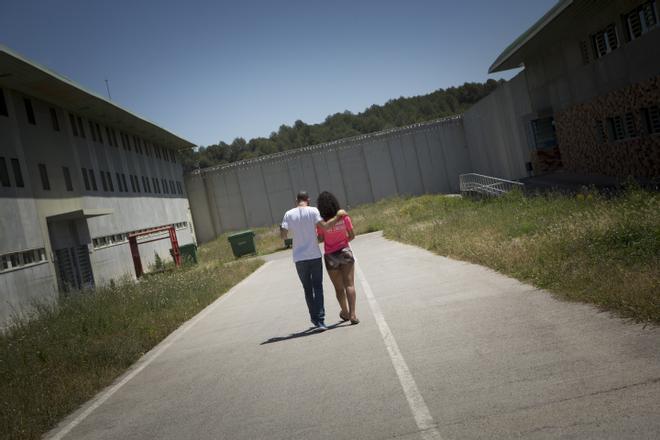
point(394, 113)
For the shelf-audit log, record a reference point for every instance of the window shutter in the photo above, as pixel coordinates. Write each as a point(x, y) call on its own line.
point(612, 39)
point(648, 13)
point(599, 44)
point(652, 119)
point(634, 25)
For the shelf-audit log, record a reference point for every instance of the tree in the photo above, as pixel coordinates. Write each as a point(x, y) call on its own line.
point(394, 113)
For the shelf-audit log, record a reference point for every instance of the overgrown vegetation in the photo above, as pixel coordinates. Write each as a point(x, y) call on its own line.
point(588, 248)
point(57, 361)
point(395, 113)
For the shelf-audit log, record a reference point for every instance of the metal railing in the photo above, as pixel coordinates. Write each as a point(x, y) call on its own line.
point(472, 183)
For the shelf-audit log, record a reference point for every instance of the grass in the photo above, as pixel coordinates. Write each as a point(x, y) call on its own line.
point(589, 248)
point(62, 357)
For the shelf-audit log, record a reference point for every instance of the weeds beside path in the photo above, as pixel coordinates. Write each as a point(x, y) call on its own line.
point(54, 363)
point(589, 248)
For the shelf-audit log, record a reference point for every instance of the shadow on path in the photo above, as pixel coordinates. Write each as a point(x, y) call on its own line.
point(309, 332)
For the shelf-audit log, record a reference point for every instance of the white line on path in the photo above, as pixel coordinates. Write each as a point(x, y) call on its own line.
point(143, 363)
point(416, 402)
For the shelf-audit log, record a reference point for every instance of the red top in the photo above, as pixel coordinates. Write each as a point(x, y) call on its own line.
point(336, 238)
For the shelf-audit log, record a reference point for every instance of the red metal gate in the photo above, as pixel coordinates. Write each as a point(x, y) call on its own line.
point(135, 252)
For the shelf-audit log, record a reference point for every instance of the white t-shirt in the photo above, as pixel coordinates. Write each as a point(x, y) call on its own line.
point(301, 222)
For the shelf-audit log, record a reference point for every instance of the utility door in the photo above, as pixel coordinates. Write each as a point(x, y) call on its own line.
point(71, 252)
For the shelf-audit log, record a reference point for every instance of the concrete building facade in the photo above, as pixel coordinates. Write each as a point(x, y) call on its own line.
point(592, 71)
point(77, 175)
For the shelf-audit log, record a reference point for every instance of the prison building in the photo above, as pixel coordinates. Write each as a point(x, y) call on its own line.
point(589, 94)
point(78, 174)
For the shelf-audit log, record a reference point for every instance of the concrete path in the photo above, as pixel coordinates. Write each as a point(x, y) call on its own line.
point(445, 350)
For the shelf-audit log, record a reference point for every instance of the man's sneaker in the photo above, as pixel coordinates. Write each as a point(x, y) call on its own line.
point(321, 327)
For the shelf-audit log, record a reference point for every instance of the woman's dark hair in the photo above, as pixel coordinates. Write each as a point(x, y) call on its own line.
point(328, 205)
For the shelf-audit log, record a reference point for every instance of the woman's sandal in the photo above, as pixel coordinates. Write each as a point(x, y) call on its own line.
point(343, 318)
point(355, 321)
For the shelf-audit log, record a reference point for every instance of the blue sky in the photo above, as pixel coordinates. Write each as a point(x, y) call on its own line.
point(215, 70)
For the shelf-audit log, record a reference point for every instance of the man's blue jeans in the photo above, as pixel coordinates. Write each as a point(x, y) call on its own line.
point(311, 277)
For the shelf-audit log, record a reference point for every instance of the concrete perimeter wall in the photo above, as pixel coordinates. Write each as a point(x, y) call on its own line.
point(496, 130)
point(419, 159)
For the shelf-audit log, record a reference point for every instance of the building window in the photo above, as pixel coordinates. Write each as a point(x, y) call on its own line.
point(4, 173)
point(165, 186)
point(110, 184)
point(81, 128)
point(3, 104)
point(154, 181)
point(92, 179)
point(43, 172)
point(123, 179)
point(74, 127)
point(605, 41)
point(172, 190)
point(104, 184)
point(98, 133)
point(119, 187)
point(54, 120)
point(107, 134)
point(179, 188)
point(29, 257)
point(16, 260)
point(85, 179)
point(642, 19)
point(29, 111)
point(18, 175)
point(67, 179)
point(132, 183)
point(92, 130)
point(651, 118)
point(615, 126)
point(622, 127)
point(544, 132)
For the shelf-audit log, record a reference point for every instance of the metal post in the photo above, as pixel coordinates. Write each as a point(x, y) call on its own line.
point(135, 253)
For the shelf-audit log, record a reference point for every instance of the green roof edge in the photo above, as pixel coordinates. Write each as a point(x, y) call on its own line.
point(528, 35)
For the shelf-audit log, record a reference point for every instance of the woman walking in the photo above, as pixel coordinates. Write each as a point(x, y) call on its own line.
point(338, 256)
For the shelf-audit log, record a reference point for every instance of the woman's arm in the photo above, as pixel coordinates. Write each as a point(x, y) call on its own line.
point(330, 223)
point(351, 235)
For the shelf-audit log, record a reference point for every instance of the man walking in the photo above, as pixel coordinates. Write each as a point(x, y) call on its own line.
point(302, 221)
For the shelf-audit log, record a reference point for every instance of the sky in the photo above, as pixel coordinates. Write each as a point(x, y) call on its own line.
point(212, 70)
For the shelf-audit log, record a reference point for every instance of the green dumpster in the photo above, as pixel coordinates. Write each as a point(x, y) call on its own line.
point(188, 253)
point(242, 243)
point(288, 242)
